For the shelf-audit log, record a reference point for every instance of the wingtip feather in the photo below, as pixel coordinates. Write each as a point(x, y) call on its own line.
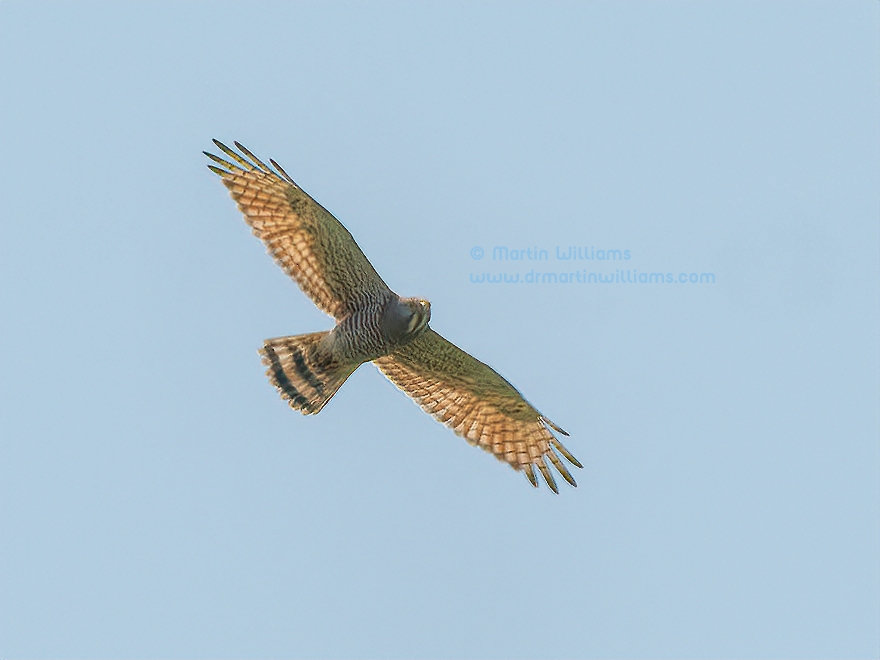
point(548, 476)
point(233, 155)
point(217, 170)
point(568, 455)
point(559, 465)
point(530, 475)
point(554, 427)
point(283, 173)
point(253, 158)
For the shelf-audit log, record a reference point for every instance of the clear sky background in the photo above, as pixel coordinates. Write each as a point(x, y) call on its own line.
point(158, 499)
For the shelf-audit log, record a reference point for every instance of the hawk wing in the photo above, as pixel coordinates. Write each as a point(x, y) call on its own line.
point(478, 404)
point(303, 237)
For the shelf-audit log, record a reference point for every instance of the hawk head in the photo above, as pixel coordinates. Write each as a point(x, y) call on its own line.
point(405, 319)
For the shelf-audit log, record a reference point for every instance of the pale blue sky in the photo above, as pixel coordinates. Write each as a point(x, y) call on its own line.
point(157, 498)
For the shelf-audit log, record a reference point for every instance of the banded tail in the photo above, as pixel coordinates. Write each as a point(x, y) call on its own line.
point(305, 374)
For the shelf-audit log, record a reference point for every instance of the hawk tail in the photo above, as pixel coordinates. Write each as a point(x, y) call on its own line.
point(304, 374)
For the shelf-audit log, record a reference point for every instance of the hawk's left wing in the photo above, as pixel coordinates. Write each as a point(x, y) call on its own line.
point(478, 404)
point(303, 237)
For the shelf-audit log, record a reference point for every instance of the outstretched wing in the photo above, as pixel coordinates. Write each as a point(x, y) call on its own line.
point(303, 237)
point(478, 404)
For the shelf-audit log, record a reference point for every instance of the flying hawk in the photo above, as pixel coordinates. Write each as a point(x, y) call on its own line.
point(374, 324)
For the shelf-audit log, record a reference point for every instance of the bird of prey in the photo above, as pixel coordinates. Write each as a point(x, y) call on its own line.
point(374, 324)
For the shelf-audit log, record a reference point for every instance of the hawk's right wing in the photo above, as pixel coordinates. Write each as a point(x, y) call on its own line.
point(307, 242)
point(478, 404)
